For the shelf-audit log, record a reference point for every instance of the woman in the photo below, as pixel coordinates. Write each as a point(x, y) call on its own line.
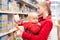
point(45, 21)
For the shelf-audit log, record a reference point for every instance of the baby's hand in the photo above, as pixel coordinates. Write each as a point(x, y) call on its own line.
point(39, 24)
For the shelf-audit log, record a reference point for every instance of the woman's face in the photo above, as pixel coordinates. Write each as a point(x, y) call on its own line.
point(40, 9)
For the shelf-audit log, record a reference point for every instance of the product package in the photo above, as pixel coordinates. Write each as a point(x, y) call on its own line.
point(3, 23)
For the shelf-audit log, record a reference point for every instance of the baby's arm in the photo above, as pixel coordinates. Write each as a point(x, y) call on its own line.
point(34, 28)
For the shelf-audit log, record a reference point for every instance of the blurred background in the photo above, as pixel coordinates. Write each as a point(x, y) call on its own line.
point(9, 8)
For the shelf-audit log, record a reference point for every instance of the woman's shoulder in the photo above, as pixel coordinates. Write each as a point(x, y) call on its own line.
point(46, 21)
point(49, 21)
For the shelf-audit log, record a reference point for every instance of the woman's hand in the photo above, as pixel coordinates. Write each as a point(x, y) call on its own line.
point(21, 30)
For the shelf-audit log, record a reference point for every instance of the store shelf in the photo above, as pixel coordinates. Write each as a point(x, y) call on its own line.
point(27, 3)
point(12, 30)
point(9, 12)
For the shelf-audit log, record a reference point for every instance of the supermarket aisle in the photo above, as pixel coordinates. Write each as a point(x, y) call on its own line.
point(21, 7)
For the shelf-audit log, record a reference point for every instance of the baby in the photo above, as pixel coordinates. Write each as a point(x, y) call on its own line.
point(32, 25)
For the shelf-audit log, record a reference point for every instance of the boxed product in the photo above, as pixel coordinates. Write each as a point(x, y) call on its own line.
point(24, 8)
point(0, 1)
point(4, 19)
point(3, 22)
point(10, 22)
point(4, 4)
point(3, 29)
point(0, 4)
point(13, 6)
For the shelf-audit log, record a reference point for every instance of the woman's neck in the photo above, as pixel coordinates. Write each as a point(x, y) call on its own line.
point(45, 14)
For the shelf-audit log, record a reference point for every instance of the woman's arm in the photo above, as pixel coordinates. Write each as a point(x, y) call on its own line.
point(44, 32)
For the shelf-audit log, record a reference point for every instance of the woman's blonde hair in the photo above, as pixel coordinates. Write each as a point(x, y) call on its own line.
point(47, 5)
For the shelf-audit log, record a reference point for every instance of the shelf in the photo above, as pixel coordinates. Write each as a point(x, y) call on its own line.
point(12, 30)
point(27, 3)
point(9, 12)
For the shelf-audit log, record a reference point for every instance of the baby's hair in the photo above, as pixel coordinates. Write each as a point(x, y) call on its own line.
point(32, 14)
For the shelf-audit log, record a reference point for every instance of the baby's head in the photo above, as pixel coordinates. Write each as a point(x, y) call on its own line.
point(33, 17)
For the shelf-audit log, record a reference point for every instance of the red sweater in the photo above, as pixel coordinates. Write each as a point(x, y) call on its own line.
point(46, 26)
point(31, 27)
